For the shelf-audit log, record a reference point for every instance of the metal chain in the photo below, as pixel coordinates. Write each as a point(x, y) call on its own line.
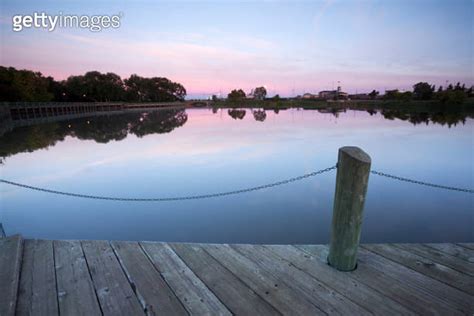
point(178, 198)
point(213, 195)
point(421, 183)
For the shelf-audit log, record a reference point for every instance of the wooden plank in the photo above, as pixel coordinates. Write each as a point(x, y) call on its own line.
point(37, 292)
point(440, 257)
point(454, 250)
point(191, 291)
point(288, 299)
point(151, 289)
point(320, 294)
point(75, 288)
point(115, 294)
point(239, 298)
point(354, 290)
point(468, 245)
point(440, 291)
point(425, 266)
point(11, 251)
point(415, 291)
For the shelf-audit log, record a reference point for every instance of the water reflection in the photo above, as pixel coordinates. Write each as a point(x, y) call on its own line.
point(442, 118)
point(213, 153)
point(259, 115)
point(236, 113)
point(448, 117)
point(101, 129)
point(105, 128)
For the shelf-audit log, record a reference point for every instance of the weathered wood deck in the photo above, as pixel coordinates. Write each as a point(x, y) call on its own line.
point(44, 277)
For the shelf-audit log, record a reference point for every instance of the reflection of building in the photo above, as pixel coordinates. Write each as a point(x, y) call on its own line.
point(333, 94)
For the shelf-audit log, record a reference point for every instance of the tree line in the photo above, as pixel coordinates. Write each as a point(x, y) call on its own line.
point(453, 94)
point(259, 93)
point(93, 86)
point(424, 91)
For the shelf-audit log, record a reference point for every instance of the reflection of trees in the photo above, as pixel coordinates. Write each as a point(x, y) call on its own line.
point(158, 122)
point(28, 139)
point(259, 115)
point(371, 112)
point(101, 129)
point(236, 114)
point(442, 118)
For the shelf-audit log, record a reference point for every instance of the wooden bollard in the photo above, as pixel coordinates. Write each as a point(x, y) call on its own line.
point(353, 168)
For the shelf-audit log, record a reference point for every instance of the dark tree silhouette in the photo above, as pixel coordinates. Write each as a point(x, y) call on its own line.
point(154, 89)
point(93, 86)
point(236, 95)
point(373, 94)
point(259, 115)
point(23, 85)
point(260, 93)
point(236, 114)
point(101, 129)
point(423, 91)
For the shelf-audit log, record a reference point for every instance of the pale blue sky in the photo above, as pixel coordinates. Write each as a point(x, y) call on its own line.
point(290, 47)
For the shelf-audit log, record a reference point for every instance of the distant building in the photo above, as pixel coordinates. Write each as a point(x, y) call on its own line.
point(359, 96)
point(310, 96)
point(333, 94)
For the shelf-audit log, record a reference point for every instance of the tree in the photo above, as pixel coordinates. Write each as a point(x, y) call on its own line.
point(451, 96)
point(94, 86)
point(391, 94)
point(423, 91)
point(373, 94)
point(23, 85)
point(405, 96)
point(236, 95)
point(260, 93)
point(156, 89)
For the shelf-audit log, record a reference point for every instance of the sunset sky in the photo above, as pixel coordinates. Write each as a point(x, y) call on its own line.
point(289, 47)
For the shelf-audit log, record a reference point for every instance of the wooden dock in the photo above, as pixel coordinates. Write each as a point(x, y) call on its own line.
point(45, 277)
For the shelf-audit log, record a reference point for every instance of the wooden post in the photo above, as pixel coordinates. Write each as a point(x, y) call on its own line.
point(353, 168)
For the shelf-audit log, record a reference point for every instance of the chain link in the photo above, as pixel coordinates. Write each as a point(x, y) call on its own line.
point(213, 195)
point(421, 182)
point(178, 198)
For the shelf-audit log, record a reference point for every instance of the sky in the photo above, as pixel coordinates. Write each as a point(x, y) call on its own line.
point(212, 47)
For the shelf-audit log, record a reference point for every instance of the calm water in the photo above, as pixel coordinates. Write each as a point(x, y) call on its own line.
point(168, 153)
